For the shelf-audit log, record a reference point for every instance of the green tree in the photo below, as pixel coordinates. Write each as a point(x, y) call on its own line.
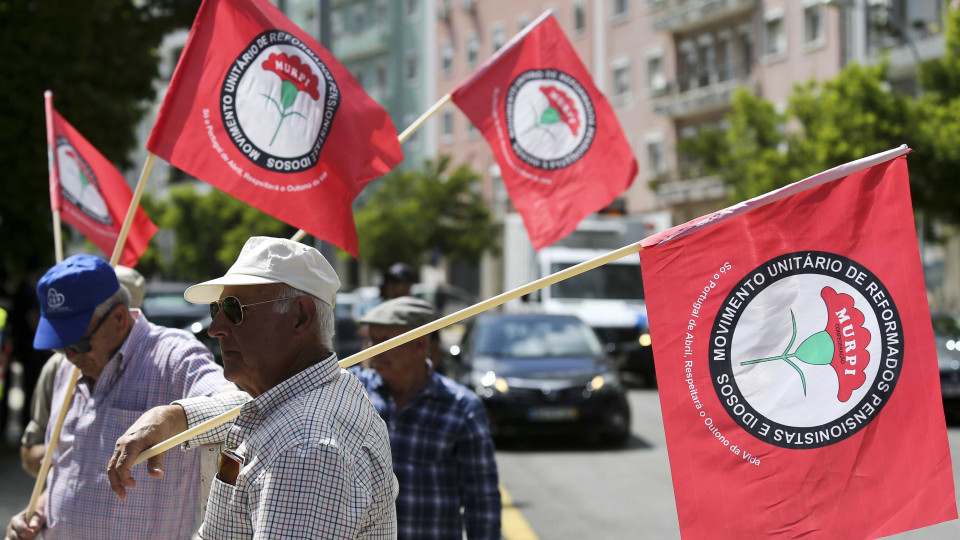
point(206, 231)
point(415, 212)
point(99, 57)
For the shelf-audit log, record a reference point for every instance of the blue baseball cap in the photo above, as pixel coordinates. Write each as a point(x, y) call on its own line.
point(68, 294)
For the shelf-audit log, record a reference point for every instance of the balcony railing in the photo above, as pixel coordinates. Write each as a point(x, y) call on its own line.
point(369, 42)
point(700, 91)
point(685, 15)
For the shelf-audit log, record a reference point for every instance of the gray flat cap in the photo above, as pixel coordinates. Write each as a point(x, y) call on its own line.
point(403, 311)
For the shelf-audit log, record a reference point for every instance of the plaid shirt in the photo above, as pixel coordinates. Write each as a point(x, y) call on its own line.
point(154, 366)
point(316, 461)
point(443, 457)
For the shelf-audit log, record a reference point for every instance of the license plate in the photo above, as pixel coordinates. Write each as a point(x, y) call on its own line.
point(553, 414)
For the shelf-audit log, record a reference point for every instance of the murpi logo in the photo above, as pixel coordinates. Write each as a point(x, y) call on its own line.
point(806, 349)
point(550, 119)
point(55, 300)
point(278, 102)
point(79, 185)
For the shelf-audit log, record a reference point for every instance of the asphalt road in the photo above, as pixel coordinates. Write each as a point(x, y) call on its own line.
point(572, 490)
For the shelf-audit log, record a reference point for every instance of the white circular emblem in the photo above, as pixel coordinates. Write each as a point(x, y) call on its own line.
point(278, 102)
point(550, 119)
point(79, 185)
point(806, 349)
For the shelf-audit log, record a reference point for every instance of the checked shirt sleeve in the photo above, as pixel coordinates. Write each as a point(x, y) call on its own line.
point(202, 408)
point(479, 488)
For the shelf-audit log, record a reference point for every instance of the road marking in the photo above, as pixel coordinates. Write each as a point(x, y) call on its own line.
point(514, 526)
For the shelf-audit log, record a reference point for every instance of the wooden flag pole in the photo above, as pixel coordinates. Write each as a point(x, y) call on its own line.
point(57, 237)
point(75, 373)
point(410, 336)
point(132, 210)
point(411, 129)
point(54, 167)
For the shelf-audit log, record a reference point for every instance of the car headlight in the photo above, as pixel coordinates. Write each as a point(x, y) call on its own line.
point(488, 382)
point(603, 381)
point(644, 339)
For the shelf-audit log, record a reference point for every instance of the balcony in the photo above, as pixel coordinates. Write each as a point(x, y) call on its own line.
point(702, 92)
point(372, 41)
point(687, 15)
point(676, 192)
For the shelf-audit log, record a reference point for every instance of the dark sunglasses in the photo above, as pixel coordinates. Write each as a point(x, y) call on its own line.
point(233, 309)
point(82, 345)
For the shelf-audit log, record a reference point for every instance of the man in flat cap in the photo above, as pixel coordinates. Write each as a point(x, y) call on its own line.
point(127, 365)
point(308, 457)
point(443, 454)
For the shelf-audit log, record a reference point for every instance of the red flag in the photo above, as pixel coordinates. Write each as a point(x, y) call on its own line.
point(559, 145)
point(92, 195)
point(796, 363)
point(258, 109)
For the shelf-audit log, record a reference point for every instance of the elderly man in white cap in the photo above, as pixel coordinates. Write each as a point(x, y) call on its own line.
point(308, 457)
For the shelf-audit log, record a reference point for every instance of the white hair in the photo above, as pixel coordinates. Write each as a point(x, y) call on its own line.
point(122, 296)
point(325, 323)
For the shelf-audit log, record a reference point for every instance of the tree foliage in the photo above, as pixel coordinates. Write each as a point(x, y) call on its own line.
point(205, 231)
point(99, 57)
point(415, 213)
point(831, 122)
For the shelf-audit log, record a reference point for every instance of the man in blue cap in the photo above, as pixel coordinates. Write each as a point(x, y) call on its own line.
point(127, 365)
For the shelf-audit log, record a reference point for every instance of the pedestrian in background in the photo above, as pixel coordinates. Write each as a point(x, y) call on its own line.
point(308, 457)
point(443, 454)
point(32, 445)
point(127, 365)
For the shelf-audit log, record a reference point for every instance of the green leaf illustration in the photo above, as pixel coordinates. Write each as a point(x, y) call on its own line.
point(288, 94)
point(816, 349)
point(550, 116)
point(84, 180)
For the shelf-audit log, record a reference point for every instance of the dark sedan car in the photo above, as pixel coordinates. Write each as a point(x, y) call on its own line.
point(542, 374)
point(946, 333)
point(164, 304)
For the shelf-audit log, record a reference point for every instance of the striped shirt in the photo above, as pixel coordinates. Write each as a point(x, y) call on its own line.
point(444, 459)
point(154, 366)
point(316, 461)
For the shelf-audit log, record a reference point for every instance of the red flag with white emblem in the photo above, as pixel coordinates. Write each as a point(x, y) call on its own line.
point(796, 363)
point(91, 194)
point(560, 147)
point(260, 110)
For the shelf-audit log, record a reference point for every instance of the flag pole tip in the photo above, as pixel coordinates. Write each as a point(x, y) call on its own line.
point(47, 94)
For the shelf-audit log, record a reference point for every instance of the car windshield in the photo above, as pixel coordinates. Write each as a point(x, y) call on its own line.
point(610, 281)
point(946, 325)
point(536, 338)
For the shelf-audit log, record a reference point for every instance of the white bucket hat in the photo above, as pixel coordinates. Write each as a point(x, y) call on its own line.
point(265, 260)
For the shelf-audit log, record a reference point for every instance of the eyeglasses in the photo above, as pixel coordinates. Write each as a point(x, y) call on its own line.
point(233, 309)
point(82, 345)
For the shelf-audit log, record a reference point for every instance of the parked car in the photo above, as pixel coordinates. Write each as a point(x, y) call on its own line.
point(542, 374)
point(946, 333)
point(164, 304)
point(199, 329)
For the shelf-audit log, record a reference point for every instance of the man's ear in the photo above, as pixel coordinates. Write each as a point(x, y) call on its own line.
point(305, 311)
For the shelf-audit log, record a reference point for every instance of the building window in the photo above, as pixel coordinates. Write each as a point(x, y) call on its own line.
point(579, 17)
point(813, 22)
point(410, 68)
point(656, 155)
point(446, 129)
point(522, 22)
point(358, 20)
point(410, 8)
point(621, 77)
point(446, 58)
point(336, 23)
point(472, 131)
point(473, 50)
point(621, 8)
point(656, 76)
point(498, 38)
point(746, 51)
point(775, 34)
point(381, 76)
